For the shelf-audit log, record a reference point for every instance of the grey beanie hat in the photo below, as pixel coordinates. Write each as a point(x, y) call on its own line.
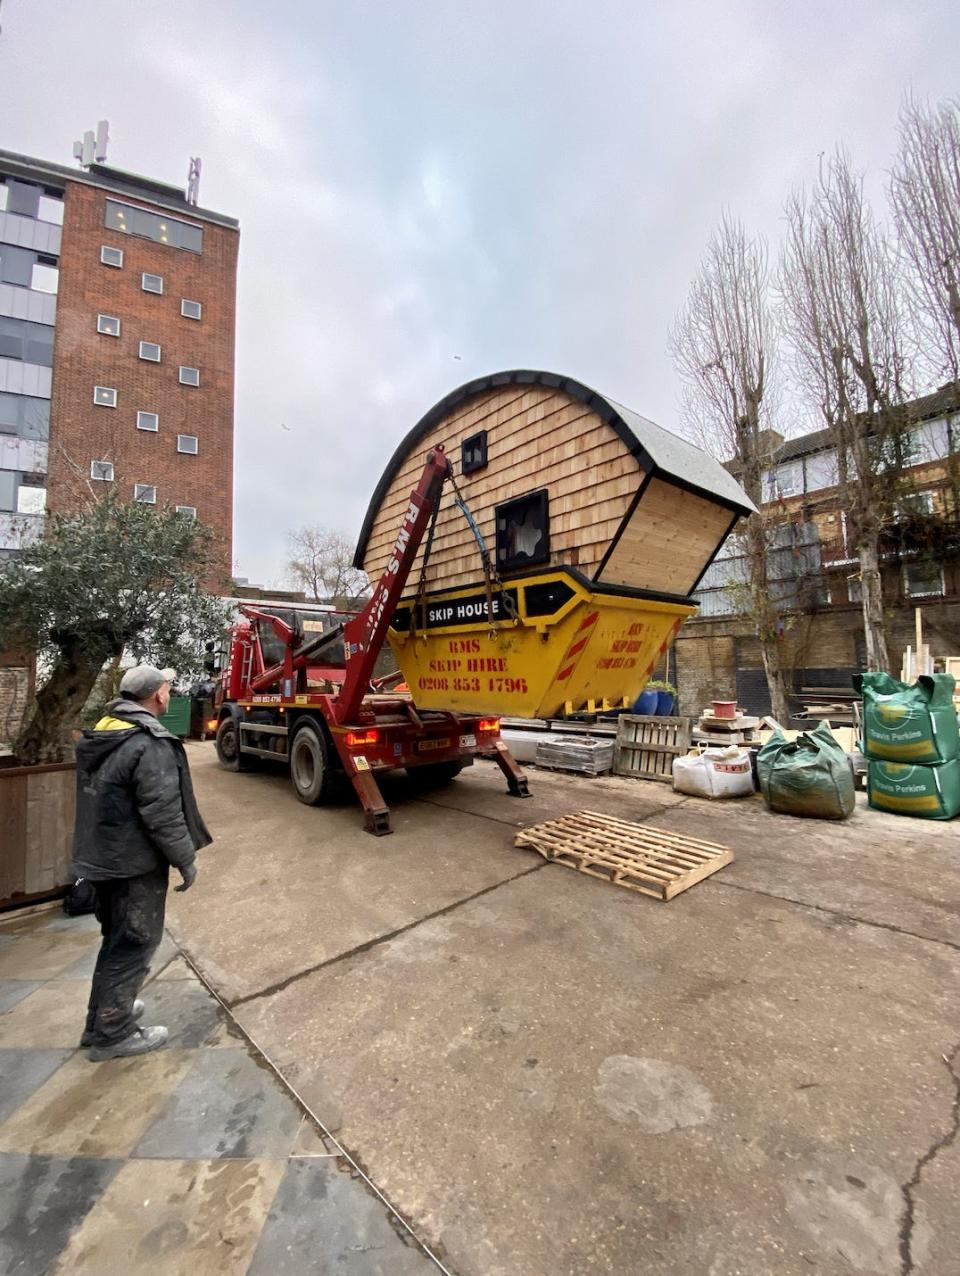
point(143, 680)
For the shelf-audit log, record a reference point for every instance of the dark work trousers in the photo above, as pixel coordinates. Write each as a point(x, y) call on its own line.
point(130, 912)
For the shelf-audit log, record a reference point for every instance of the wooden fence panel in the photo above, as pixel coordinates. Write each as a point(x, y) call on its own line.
point(36, 830)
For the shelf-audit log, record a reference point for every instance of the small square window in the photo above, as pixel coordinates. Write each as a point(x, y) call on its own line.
point(190, 309)
point(151, 283)
point(188, 511)
point(189, 376)
point(187, 443)
point(111, 256)
point(145, 493)
point(923, 580)
point(102, 470)
point(104, 396)
point(109, 325)
point(150, 351)
point(523, 531)
point(473, 453)
point(148, 421)
point(44, 278)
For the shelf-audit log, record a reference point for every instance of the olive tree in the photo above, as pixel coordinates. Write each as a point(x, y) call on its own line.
point(113, 579)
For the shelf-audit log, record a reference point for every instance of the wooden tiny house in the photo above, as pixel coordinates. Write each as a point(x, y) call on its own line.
point(558, 479)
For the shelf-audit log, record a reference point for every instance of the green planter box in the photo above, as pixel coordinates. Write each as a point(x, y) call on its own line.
point(177, 717)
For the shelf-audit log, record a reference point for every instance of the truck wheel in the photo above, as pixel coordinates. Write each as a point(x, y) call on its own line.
point(228, 747)
point(314, 779)
point(433, 774)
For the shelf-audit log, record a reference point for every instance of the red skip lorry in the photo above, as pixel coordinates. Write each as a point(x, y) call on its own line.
point(308, 700)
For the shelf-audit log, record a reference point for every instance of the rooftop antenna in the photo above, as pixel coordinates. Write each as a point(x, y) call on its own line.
point(92, 147)
point(193, 180)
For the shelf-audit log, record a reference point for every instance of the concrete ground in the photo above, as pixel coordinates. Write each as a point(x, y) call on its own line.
point(547, 1074)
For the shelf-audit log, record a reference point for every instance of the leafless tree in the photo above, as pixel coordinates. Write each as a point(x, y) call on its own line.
point(843, 311)
point(925, 194)
point(321, 564)
point(724, 345)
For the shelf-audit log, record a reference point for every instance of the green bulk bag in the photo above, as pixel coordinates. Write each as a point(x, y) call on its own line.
point(807, 776)
point(915, 723)
point(928, 792)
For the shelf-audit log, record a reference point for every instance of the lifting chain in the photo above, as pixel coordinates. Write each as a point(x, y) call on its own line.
point(491, 575)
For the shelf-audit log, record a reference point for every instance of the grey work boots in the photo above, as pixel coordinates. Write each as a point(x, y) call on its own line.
point(140, 1041)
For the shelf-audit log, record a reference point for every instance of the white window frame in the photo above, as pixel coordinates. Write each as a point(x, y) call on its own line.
point(181, 438)
point(149, 429)
point(101, 478)
point(105, 332)
point(188, 511)
point(185, 301)
point(143, 283)
point(102, 403)
point(154, 345)
point(138, 488)
point(105, 249)
point(922, 593)
point(184, 381)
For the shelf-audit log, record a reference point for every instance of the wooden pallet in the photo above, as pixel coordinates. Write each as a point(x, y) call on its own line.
point(646, 746)
point(635, 856)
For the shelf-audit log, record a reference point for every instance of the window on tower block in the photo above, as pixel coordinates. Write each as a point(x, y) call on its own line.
point(109, 325)
point(151, 283)
point(148, 421)
point(102, 470)
point(145, 493)
point(188, 511)
point(150, 351)
point(190, 309)
point(187, 443)
point(104, 396)
point(189, 376)
point(111, 256)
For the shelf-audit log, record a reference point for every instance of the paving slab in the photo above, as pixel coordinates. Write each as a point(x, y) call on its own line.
point(14, 990)
point(32, 956)
point(51, 1017)
point(42, 1200)
point(560, 1076)
point(22, 1072)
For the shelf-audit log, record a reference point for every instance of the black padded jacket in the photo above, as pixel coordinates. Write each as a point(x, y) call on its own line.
point(135, 805)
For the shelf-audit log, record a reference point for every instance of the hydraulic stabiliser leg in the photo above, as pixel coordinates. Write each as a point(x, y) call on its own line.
point(376, 813)
point(516, 781)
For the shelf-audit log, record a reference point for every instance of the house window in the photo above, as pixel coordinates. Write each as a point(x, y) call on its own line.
point(523, 531)
point(148, 421)
point(922, 580)
point(131, 220)
point(473, 453)
point(915, 503)
point(44, 277)
point(102, 470)
point(104, 396)
point(190, 309)
point(189, 376)
point(187, 443)
point(188, 511)
point(788, 479)
point(50, 210)
point(109, 325)
point(854, 589)
point(145, 493)
point(150, 351)
point(111, 256)
point(822, 470)
point(151, 283)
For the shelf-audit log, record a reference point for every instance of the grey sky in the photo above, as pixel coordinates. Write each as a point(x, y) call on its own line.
point(523, 185)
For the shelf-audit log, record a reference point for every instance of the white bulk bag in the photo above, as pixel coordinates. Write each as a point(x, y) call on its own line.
point(714, 773)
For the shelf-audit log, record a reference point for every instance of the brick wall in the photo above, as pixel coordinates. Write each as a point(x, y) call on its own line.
point(82, 431)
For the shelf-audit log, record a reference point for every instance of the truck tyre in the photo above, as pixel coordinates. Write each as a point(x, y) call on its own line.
point(228, 746)
point(314, 779)
point(434, 774)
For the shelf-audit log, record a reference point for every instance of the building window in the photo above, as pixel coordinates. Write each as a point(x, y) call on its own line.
point(923, 580)
point(29, 342)
point(102, 470)
point(150, 351)
point(31, 499)
point(109, 325)
point(190, 309)
point(50, 210)
point(187, 443)
point(151, 283)
point(145, 493)
point(44, 277)
point(914, 504)
point(104, 396)
point(189, 376)
point(130, 220)
point(523, 531)
point(473, 453)
point(188, 511)
point(148, 421)
point(111, 256)
point(3, 197)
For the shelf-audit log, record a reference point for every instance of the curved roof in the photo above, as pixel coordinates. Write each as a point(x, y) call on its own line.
point(654, 447)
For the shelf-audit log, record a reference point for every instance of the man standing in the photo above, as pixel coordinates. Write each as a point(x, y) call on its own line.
point(136, 816)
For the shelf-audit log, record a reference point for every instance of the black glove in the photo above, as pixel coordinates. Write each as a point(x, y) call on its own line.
point(189, 875)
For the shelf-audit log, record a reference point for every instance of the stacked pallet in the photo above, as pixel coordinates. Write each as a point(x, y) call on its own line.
point(740, 729)
point(573, 753)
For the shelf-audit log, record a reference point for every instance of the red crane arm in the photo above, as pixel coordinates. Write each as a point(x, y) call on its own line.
point(363, 636)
